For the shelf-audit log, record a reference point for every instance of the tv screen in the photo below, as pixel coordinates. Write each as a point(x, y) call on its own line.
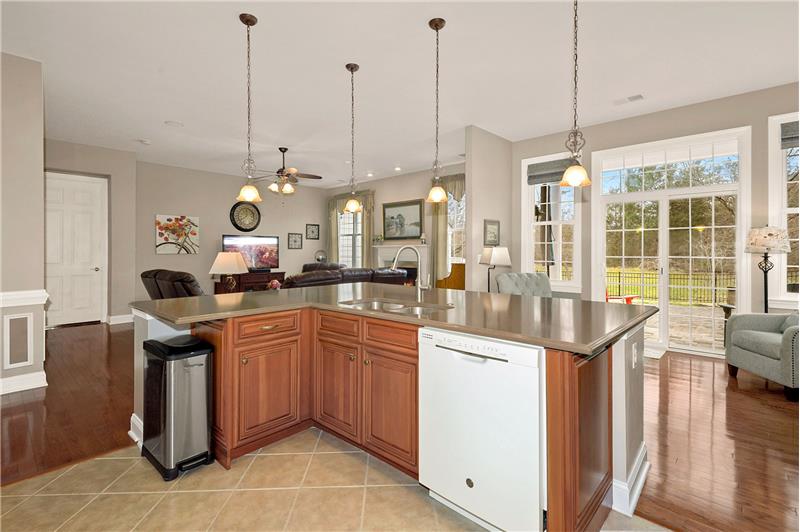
point(259, 252)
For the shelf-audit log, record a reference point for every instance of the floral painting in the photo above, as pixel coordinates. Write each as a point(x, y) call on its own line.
point(177, 234)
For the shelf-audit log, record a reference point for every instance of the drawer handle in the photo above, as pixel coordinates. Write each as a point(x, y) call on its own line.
point(268, 327)
point(244, 361)
point(367, 362)
point(352, 357)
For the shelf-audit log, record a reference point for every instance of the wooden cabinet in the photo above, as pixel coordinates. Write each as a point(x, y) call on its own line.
point(268, 386)
point(250, 282)
point(338, 369)
point(390, 405)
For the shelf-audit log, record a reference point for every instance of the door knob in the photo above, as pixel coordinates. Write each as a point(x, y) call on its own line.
point(96, 269)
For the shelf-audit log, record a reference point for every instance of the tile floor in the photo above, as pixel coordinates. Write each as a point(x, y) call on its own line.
point(310, 481)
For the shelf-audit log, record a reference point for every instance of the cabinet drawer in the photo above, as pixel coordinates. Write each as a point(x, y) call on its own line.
point(390, 334)
point(338, 324)
point(266, 326)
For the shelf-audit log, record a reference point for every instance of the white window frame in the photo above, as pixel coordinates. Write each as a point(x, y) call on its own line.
point(780, 298)
point(744, 216)
point(352, 236)
point(526, 221)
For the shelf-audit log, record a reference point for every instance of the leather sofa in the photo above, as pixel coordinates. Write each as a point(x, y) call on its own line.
point(325, 273)
point(166, 284)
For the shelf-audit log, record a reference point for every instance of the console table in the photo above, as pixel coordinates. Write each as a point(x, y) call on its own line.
point(250, 282)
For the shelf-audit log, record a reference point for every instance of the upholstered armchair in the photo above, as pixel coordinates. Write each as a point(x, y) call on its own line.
point(764, 344)
point(529, 284)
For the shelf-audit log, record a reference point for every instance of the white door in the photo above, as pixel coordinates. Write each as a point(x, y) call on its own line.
point(75, 248)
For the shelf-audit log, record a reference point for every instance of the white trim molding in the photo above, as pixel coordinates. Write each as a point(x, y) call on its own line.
point(137, 431)
point(139, 314)
point(20, 383)
point(119, 319)
point(23, 298)
point(626, 494)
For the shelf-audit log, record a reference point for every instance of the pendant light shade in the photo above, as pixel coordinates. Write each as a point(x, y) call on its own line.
point(287, 188)
point(248, 192)
point(437, 194)
point(353, 205)
point(575, 175)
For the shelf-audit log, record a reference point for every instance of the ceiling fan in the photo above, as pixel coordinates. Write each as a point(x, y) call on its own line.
point(285, 178)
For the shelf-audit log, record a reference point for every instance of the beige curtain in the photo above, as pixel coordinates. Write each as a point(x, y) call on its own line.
point(335, 207)
point(455, 185)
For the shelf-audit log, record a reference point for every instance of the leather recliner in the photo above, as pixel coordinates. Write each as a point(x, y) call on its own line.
point(166, 284)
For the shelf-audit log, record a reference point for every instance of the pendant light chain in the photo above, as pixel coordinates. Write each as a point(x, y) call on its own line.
point(249, 101)
point(352, 132)
point(575, 140)
point(436, 136)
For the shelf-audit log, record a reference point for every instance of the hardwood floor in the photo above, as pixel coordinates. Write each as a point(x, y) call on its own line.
point(84, 411)
point(723, 450)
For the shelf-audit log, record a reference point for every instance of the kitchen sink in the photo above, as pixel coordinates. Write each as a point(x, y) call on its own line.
point(395, 306)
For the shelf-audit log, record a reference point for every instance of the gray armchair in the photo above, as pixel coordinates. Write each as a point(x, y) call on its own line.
point(764, 344)
point(529, 284)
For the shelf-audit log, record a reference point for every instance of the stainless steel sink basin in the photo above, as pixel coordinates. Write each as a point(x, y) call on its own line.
point(395, 306)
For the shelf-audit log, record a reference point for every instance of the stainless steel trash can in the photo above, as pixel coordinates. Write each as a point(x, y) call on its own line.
point(177, 404)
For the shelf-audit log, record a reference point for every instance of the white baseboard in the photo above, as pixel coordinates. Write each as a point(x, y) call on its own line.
point(626, 494)
point(20, 383)
point(120, 318)
point(137, 432)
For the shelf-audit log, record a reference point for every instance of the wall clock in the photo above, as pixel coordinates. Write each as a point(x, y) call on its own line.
point(245, 216)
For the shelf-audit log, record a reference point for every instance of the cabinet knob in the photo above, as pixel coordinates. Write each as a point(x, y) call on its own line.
point(352, 357)
point(244, 361)
point(367, 362)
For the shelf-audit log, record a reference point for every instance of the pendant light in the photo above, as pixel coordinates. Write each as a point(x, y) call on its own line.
point(575, 175)
point(437, 194)
point(248, 192)
point(352, 205)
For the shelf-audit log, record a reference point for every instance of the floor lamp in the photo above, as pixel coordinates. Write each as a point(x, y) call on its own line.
point(494, 257)
point(766, 240)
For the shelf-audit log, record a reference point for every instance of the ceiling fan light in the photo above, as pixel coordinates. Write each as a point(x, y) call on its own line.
point(273, 187)
point(287, 188)
point(249, 193)
point(575, 176)
point(353, 206)
point(436, 195)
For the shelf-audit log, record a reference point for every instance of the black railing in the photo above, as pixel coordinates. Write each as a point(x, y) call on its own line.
point(702, 289)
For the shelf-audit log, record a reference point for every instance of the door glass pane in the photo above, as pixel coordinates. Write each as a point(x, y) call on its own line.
point(702, 269)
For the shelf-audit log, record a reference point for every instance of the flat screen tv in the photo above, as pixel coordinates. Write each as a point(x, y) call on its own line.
point(260, 252)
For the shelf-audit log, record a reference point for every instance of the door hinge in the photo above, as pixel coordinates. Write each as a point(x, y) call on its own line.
point(544, 519)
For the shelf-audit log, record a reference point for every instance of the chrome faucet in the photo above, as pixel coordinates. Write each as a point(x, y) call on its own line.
point(420, 285)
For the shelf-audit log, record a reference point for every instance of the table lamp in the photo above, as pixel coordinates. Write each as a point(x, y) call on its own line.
point(767, 240)
point(227, 264)
point(494, 257)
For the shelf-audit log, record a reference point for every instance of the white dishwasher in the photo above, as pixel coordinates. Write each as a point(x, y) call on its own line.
point(481, 427)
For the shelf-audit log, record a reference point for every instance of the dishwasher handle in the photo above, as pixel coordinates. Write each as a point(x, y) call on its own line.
point(483, 358)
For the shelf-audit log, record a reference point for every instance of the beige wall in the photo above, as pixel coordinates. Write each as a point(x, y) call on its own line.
point(22, 261)
point(22, 215)
point(749, 109)
point(488, 171)
point(119, 167)
point(209, 196)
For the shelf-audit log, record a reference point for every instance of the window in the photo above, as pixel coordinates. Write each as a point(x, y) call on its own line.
point(350, 229)
point(550, 223)
point(456, 224)
point(785, 206)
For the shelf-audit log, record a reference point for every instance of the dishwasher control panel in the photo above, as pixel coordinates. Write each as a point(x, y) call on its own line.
point(513, 352)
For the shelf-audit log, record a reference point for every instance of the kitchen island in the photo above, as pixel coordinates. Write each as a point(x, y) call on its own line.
point(344, 357)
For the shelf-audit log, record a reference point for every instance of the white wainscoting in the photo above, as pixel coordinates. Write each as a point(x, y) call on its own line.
point(20, 383)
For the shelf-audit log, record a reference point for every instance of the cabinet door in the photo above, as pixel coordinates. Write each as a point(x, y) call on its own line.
point(390, 406)
point(337, 398)
point(269, 387)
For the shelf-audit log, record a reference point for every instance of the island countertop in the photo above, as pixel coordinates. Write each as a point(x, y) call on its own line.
point(583, 327)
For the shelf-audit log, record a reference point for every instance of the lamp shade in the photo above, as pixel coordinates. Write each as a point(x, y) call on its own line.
point(437, 194)
point(767, 240)
point(496, 256)
point(249, 193)
point(228, 263)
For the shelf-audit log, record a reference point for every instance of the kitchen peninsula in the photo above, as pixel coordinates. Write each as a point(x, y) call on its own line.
point(345, 358)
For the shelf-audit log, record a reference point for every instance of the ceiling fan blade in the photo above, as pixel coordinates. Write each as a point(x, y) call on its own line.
point(292, 179)
point(307, 176)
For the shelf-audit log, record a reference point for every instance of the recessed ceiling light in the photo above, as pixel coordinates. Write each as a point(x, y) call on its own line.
point(173, 123)
point(370, 174)
point(397, 168)
point(145, 142)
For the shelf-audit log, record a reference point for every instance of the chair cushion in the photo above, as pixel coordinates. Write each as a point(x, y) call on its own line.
point(356, 275)
point(528, 284)
point(389, 276)
point(790, 321)
point(150, 284)
point(763, 343)
point(313, 278)
point(177, 284)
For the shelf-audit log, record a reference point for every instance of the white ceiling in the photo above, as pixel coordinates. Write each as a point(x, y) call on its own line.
point(114, 72)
